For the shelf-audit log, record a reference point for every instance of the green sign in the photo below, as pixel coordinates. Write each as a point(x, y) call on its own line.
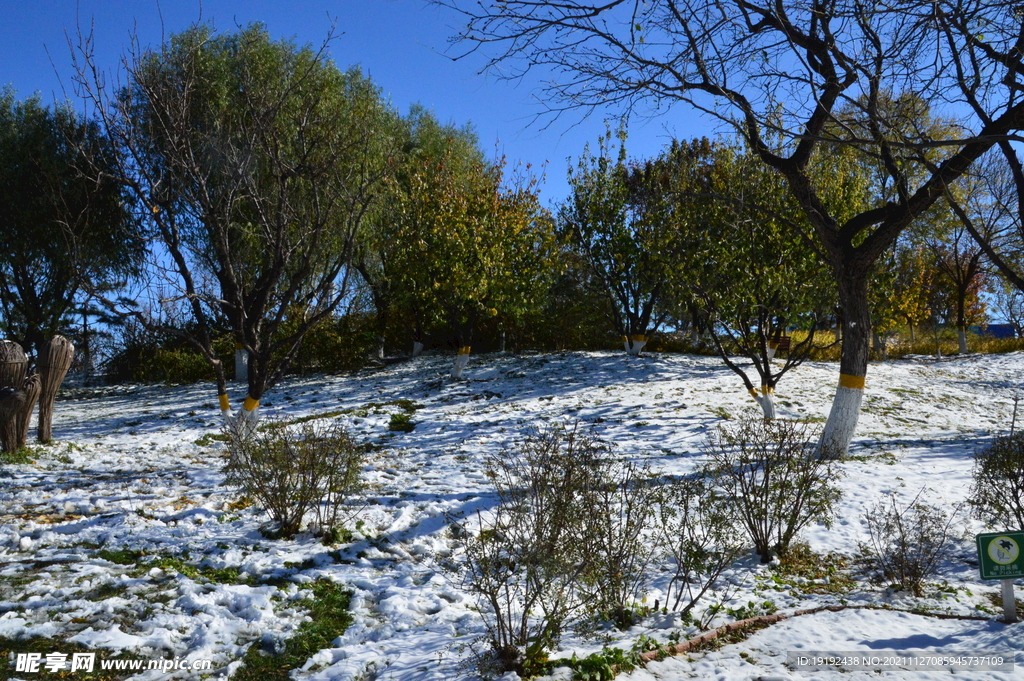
point(1001, 555)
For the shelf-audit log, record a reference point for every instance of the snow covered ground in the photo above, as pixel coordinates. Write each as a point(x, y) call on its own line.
point(127, 473)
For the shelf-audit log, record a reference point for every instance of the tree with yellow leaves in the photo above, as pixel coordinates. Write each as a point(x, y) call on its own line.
point(466, 244)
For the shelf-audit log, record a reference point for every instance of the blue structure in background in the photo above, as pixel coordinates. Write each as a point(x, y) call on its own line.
point(994, 331)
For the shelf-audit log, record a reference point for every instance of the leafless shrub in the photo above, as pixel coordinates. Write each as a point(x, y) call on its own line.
point(623, 507)
point(294, 472)
point(528, 567)
point(907, 542)
point(696, 529)
point(772, 479)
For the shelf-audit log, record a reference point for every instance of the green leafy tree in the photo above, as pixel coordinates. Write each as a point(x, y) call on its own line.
point(463, 243)
point(385, 257)
point(751, 275)
point(480, 248)
point(59, 228)
point(909, 296)
point(252, 163)
point(618, 220)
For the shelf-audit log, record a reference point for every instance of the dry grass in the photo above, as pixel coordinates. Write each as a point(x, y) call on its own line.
point(925, 343)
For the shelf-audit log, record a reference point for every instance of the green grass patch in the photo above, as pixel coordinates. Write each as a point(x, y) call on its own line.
point(330, 618)
point(305, 419)
point(21, 455)
point(197, 572)
point(408, 406)
point(120, 556)
point(720, 412)
point(401, 423)
point(108, 590)
point(143, 563)
point(819, 574)
point(210, 438)
point(888, 458)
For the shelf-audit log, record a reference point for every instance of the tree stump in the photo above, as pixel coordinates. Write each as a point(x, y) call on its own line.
point(54, 362)
point(12, 403)
point(32, 387)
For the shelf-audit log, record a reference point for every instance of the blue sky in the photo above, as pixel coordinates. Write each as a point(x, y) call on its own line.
point(400, 43)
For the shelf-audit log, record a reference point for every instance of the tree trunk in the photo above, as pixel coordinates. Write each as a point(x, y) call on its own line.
point(913, 334)
point(634, 344)
point(417, 348)
point(961, 336)
point(853, 366)
point(86, 351)
point(880, 345)
point(767, 402)
point(244, 421)
point(463, 338)
point(241, 364)
point(461, 360)
point(248, 416)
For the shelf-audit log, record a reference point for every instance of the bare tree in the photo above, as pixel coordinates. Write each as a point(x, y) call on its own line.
point(251, 163)
point(785, 71)
point(958, 260)
point(1008, 302)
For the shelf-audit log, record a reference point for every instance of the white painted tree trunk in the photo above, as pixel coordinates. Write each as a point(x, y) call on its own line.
point(634, 345)
point(765, 400)
point(247, 417)
point(243, 423)
point(225, 409)
point(241, 364)
point(842, 420)
point(380, 347)
point(772, 347)
point(417, 348)
point(961, 336)
point(461, 360)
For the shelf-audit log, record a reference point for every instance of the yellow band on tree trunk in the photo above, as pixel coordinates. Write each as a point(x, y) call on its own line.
point(767, 389)
point(464, 350)
point(639, 339)
point(753, 393)
point(625, 339)
point(250, 404)
point(851, 381)
point(225, 404)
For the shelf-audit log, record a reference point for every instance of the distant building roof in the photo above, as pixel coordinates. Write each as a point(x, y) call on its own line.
point(994, 331)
